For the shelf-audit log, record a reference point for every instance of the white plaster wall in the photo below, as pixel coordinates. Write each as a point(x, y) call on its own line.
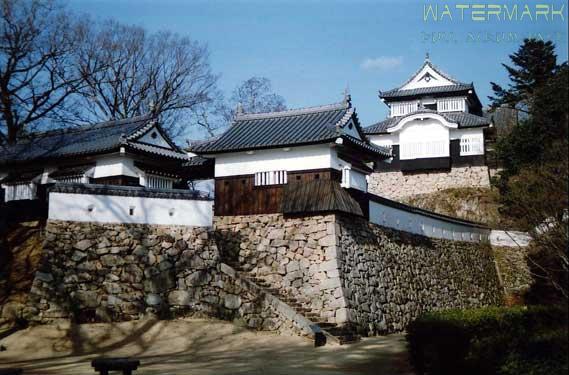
point(352, 131)
point(158, 141)
point(427, 226)
point(385, 139)
point(358, 180)
point(296, 159)
point(424, 131)
point(416, 82)
point(115, 165)
point(115, 209)
point(207, 186)
point(457, 133)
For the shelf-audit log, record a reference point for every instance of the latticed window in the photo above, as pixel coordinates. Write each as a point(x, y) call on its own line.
point(471, 145)
point(417, 150)
point(20, 191)
point(158, 182)
point(450, 105)
point(70, 179)
point(270, 178)
point(403, 108)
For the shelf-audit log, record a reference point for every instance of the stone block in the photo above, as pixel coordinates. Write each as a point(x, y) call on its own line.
point(180, 298)
point(83, 245)
point(231, 301)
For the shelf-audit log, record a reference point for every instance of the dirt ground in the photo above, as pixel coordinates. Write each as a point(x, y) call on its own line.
point(195, 347)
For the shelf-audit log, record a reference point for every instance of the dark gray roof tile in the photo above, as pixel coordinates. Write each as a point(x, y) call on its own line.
point(89, 139)
point(279, 129)
point(397, 93)
point(463, 119)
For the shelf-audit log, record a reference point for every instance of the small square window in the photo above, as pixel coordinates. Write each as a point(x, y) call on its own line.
point(131, 210)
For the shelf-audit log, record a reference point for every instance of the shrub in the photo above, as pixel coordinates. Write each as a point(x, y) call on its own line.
point(493, 340)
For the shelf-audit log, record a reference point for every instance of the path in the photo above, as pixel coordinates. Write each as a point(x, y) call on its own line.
point(195, 347)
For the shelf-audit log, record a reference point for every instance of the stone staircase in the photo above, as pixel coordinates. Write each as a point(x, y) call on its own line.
point(341, 334)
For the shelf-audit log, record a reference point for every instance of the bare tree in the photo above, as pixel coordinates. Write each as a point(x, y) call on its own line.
point(37, 73)
point(254, 95)
point(160, 72)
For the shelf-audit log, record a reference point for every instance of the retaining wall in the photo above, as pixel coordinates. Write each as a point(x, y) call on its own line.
point(109, 272)
point(398, 185)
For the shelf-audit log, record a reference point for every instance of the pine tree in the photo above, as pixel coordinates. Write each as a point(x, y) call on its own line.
point(534, 64)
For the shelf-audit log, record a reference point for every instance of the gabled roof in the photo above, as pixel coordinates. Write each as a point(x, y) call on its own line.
point(463, 119)
point(457, 87)
point(435, 68)
point(295, 127)
point(90, 139)
point(454, 89)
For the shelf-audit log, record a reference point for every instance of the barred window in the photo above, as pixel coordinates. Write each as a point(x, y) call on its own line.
point(471, 145)
point(20, 191)
point(270, 178)
point(157, 182)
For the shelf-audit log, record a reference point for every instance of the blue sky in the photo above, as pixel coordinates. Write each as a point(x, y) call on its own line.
point(312, 49)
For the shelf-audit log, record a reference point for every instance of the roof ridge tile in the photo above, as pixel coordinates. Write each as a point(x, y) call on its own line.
point(292, 112)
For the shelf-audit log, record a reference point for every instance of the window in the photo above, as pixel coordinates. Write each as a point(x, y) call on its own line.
point(270, 178)
point(70, 179)
point(403, 108)
point(20, 191)
point(417, 150)
point(157, 182)
point(471, 145)
point(451, 105)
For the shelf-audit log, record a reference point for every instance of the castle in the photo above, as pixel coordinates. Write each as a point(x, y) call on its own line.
point(299, 237)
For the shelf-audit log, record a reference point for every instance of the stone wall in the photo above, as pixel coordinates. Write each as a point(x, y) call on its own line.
point(343, 269)
point(109, 272)
point(295, 255)
point(391, 277)
point(514, 272)
point(398, 185)
point(353, 272)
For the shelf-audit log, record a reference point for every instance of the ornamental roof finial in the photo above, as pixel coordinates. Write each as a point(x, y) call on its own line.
point(239, 109)
point(347, 97)
point(427, 57)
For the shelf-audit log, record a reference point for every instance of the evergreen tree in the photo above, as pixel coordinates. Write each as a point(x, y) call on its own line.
point(534, 64)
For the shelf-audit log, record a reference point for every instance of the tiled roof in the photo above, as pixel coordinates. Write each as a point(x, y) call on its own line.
point(128, 191)
point(21, 176)
point(197, 161)
point(90, 139)
point(75, 170)
point(397, 93)
point(463, 119)
point(287, 128)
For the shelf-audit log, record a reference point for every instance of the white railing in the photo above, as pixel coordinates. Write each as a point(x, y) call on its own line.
point(403, 108)
point(19, 192)
point(157, 182)
point(417, 150)
point(471, 145)
point(451, 105)
point(270, 178)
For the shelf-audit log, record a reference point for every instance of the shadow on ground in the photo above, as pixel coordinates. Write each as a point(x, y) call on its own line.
point(194, 346)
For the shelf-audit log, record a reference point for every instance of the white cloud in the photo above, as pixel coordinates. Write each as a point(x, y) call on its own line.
point(382, 63)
